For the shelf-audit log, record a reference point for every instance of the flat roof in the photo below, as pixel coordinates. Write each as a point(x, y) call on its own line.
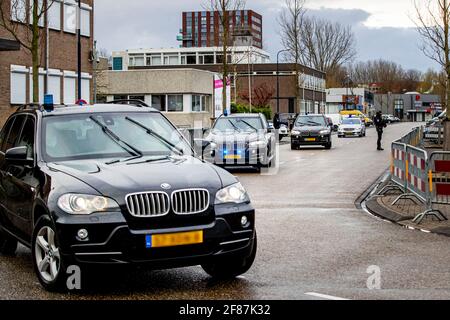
point(187, 50)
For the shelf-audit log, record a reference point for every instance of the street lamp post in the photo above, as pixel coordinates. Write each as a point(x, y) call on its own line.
point(347, 85)
point(278, 78)
point(79, 48)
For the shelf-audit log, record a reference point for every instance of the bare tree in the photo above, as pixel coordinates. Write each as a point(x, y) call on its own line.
point(391, 76)
point(433, 25)
point(290, 21)
point(324, 45)
point(225, 8)
point(24, 20)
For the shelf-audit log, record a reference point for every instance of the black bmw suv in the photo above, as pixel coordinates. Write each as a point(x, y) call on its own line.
point(116, 184)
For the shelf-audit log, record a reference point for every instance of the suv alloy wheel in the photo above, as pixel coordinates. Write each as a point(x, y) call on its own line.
point(48, 262)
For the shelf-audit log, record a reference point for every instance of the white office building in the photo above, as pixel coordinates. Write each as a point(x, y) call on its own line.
point(122, 60)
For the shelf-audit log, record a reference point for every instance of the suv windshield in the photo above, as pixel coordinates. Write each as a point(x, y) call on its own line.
point(238, 124)
point(110, 135)
point(351, 121)
point(310, 121)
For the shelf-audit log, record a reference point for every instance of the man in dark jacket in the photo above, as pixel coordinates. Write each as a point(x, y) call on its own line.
point(276, 121)
point(380, 124)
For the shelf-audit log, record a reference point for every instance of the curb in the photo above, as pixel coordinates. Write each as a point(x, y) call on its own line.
point(381, 181)
point(373, 208)
point(377, 209)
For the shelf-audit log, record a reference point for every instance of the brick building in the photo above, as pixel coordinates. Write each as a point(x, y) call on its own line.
point(59, 78)
point(203, 29)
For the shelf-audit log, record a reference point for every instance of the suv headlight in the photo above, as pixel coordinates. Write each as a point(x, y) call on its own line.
point(82, 204)
point(235, 193)
point(295, 133)
point(257, 144)
point(324, 132)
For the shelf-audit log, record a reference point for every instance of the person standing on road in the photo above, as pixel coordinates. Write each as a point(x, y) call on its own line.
point(380, 124)
point(276, 121)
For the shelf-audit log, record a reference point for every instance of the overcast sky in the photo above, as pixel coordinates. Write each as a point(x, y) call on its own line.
point(383, 28)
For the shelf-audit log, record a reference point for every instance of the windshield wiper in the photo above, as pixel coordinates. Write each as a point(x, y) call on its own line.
point(123, 160)
point(156, 135)
point(248, 124)
point(236, 128)
point(135, 152)
point(314, 124)
point(150, 160)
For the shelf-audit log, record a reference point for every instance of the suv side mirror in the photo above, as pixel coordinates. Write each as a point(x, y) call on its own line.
point(17, 156)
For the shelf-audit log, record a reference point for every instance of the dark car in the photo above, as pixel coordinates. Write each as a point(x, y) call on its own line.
point(242, 140)
point(310, 130)
point(117, 184)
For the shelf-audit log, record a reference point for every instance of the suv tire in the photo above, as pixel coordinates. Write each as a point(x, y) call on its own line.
point(329, 145)
point(48, 262)
point(8, 245)
point(232, 267)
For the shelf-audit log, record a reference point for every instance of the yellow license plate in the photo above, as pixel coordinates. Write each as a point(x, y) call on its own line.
point(310, 139)
point(234, 157)
point(174, 239)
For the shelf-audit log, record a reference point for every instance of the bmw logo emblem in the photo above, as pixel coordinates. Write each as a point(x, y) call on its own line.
point(166, 186)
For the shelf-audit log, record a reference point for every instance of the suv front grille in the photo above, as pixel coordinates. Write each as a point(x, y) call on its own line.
point(148, 204)
point(190, 201)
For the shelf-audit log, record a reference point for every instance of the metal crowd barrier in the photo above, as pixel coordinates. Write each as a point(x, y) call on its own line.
point(438, 185)
point(419, 177)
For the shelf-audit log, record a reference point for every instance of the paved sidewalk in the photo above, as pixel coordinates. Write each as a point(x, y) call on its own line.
point(406, 210)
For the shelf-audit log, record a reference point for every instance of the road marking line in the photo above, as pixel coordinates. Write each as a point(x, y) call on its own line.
point(324, 296)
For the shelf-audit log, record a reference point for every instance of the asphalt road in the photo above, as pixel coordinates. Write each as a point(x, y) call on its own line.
point(313, 242)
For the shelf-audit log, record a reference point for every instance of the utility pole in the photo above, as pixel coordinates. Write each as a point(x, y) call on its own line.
point(94, 76)
point(47, 50)
point(278, 78)
point(79, 48)
point(250, 78)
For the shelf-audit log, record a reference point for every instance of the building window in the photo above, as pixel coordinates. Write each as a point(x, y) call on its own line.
point(85, 22)
point(399, 104)
point(54, 85)
point(199, 103)
point(175, 103)
point(54, 16)
point(120, 97)
point(86, 87)
point(209, 59)
point(70, 17)
point(159, 102)
point(69, 87)
point(40, 5)
point(117, 63)
point(137, 97)
point(196, 103)
point(171, 60)
point(191, 59)
point(19, 13)
point(18, 84)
